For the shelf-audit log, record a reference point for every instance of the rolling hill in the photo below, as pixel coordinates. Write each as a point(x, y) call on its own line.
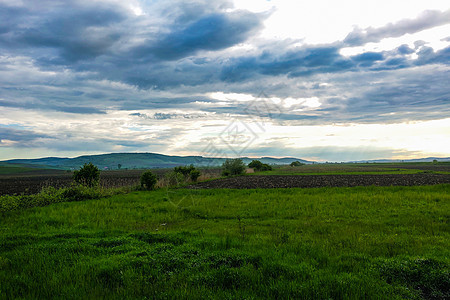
point(139, 161)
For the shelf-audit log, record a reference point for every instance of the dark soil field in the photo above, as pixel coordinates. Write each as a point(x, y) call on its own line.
point(32, 182)
point(312, 181)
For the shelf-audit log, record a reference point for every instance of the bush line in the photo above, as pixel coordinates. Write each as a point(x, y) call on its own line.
point(50, 195)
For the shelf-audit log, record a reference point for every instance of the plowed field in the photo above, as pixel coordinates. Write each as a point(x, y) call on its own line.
point(311, 181)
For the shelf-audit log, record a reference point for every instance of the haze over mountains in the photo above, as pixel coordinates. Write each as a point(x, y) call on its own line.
point(154, 160)
point(140, 160)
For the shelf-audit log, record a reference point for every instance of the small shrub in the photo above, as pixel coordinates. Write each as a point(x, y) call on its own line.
point(194, 175)
point(88, 175)
point(173, 179)
point(189, 172)
point(148, 180)
point(80, 193)
point(296, 164)
point(259, 166)
point(185, 170)
point(266, 167)
point(255, 164)
point(233, 167)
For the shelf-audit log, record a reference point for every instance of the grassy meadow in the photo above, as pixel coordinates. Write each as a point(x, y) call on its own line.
point(323, 243)
point(14, 169)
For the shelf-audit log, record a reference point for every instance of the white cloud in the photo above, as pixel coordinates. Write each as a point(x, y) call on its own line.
point(326, 21)
point(231, 96)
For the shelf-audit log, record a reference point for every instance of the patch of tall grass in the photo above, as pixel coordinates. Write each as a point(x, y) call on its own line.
point(50, 195)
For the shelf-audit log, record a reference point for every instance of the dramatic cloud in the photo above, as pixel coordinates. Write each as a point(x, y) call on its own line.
point(428, 19)
point(23, 137)
point(171, 76)
point(69, 109)
point(64, 33)
point(210, 32)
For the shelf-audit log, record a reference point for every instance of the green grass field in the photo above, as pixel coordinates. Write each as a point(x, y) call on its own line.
point(14, 169)
point(327, 243)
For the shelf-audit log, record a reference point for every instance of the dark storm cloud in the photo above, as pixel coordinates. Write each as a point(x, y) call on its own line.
point(74, 31)
point(298, 62)
point(180, 47)
point(211, 32)
point(368, 58)
point(405, 49)
point(428, 56)
point(45, 106)
point(65, 34)
point(427, 19)
point(400, 97)
point(10, 17)
point(159, 50)
point(310, 60)
point(19, 135)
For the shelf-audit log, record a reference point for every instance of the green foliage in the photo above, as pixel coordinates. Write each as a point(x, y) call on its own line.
point(148, 180)
point(327, 243)
point(255, 164)
point(427, 278)
point(194, 175)
point(51, 195)
point(9, 169)
point(233, 167)
point(296, 164)
point(173, 179)
point(189, 172)
point(185, 170)
point(259, 166)
point(88, 175)
point(80, 193)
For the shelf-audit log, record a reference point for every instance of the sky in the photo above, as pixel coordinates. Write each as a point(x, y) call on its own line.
point(319, 80)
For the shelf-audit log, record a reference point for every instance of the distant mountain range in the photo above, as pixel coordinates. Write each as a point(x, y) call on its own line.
point(427, 159)
point(139, 161)
point(153, 160)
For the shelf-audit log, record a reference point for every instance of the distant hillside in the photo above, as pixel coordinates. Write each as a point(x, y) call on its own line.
point(139, 161)
point(427, 159)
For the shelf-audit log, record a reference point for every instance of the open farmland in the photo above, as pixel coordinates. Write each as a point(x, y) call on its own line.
point(312, 181)
point(320, 243)
point(31, 181)
point(359, 168)
point(245, 237)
